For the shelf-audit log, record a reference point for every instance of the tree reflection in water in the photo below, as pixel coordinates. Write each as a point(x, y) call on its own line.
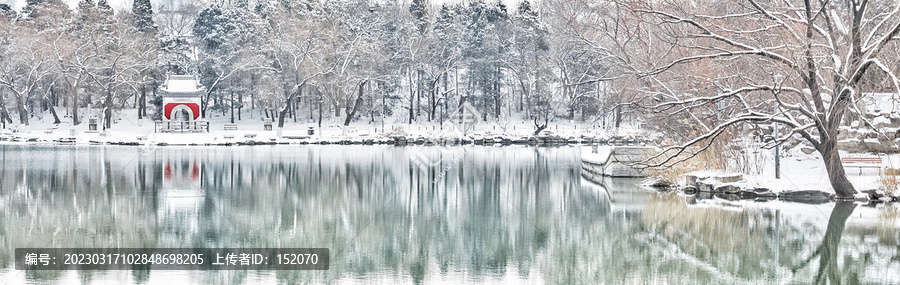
point(512, 213)
point(827, 251)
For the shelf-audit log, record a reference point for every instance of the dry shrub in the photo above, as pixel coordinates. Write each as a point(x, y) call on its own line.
point(887, 224)
point(711, 158)
point(889, 180)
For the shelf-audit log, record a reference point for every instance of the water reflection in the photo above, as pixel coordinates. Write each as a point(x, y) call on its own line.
point(512, 214)
point(827, 251)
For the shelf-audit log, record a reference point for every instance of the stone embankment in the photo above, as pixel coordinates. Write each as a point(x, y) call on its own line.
point(732, 186)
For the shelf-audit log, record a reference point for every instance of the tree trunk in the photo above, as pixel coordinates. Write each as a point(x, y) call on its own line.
point(293, 94)
point(320, 110)
point(107, 110)
point(4, 114)
point(359, 101)
point(232, 106)
point(412, 95)
point(433, 103)
point(53, 111)
point(835, 168)
point(142, 105)
point(618, 114)
point(20, 108)
point(75, 120)
point(538, 127)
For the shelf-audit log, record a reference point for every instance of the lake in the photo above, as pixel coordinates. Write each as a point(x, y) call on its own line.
point(389, 214)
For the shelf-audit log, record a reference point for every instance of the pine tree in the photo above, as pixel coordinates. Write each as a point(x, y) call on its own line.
point(419, 11)
point(6, 10)
point(143, 15)
point(30, 6)
point(104, 7)
point(85, 9)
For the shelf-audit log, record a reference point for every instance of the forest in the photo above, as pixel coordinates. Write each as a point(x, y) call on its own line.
point(346, 61)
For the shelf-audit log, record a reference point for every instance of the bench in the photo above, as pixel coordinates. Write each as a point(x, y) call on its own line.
point(142, 138)
point(227, 136)
point(49, 130)
point(862, 162)
point(249, 135)
point(231, 127)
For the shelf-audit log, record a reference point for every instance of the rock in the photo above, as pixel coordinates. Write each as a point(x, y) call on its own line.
point(690, 179)
point(806, 196)
point(658, 183)
point(851, 145)
point(728, 189)
point(873, 194)
point(729, 197)
point(807, 149)
point(704, 186)
point(689, 189)
point(729, 178)
point(844, 133)
point(791, 143)
point(758, 193)
point(876, 145)
point(890, 133)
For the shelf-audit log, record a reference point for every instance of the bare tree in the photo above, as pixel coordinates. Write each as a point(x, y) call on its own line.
point(797, 65)
point(25, 68)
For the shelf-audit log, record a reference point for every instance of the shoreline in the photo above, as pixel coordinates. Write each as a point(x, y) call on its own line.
point(267, 138)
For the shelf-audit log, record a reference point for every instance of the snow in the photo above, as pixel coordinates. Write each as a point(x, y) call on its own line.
point(807, 172)
point(127, 128)
point(881, 120)
point(600, 157)
point(879, 102)
point(182, 84)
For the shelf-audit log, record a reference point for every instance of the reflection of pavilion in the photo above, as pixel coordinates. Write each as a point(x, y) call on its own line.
point(181, 176)
point(181, 196)
point(182, 95)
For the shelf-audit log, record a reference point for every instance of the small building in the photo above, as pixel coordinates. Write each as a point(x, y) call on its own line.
point(182, 96)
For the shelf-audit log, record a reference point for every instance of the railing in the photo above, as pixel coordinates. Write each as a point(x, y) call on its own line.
point(182, 127)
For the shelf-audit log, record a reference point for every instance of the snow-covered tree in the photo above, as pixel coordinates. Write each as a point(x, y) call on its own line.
point(142, 12)
point(798, 65)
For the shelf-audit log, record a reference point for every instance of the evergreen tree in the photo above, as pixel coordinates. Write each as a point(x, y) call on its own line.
point(33, 7)
point(6, 10)
point(105, 10)
point(419, 11)
point(143, 15)
point(103, 5)
point(85, 9)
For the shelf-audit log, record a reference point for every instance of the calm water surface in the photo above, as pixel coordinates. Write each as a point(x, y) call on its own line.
point(421, 215)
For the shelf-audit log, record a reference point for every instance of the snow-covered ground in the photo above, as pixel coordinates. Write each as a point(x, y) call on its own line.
point(127, 128)
point(801, 171)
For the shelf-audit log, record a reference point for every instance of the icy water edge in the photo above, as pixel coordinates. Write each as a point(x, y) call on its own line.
point(420, 215)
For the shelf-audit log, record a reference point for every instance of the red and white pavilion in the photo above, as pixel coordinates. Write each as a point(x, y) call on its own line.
point(181, 96)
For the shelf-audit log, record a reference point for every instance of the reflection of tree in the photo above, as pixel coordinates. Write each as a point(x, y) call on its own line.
point(828, 250)
point(494, 211)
